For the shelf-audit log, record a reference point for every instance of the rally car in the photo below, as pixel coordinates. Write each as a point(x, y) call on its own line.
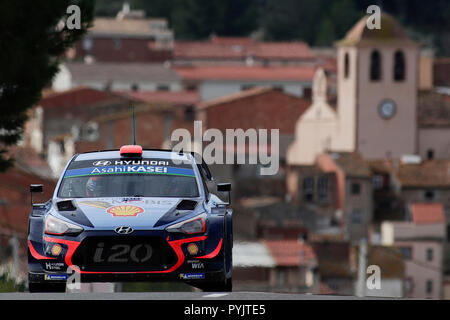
point(132, 215)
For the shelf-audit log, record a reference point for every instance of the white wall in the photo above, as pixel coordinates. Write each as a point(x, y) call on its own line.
point(389, 288)
point(215, 89)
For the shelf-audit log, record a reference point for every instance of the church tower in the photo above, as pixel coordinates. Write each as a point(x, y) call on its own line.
point(377, 90)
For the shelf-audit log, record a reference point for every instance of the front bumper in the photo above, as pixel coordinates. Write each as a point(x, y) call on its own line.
point(207, 264)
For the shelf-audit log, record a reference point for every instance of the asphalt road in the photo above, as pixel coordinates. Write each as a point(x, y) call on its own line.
point(242, 296)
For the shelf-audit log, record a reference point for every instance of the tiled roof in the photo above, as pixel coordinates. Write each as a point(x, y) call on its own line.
point(391, 32)
point(351, 163)
point(131, 72)
point(240, 48)
point(389, 259)
point(433, 109)
point(431, 173)
point(172, 97)
point(127, 27)
point(291, 253)
point(75, 97)
point(422, 213)
point(441, 71)
point(334, 259)
point(305, 73)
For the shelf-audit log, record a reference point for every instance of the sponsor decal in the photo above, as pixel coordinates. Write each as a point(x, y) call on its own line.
point(56, 250)
point(191, 276)
point(102, 163)
point(56, 277)
point(142, 162)
point(128, 169)
point(58, 266)
point(125, 211)
point(196, 264)
point(192, 248)
point(96, 204)
point(132, 200)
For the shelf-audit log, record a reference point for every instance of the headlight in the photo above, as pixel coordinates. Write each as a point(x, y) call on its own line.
point(60, 227)
point(196, 224)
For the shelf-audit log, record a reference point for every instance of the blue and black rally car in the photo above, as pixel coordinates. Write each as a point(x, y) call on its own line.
point(132, 215)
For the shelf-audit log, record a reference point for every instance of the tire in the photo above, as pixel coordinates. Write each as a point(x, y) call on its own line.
point(46, 287)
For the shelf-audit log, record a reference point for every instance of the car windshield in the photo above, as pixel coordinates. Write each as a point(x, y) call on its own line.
point(107, 179)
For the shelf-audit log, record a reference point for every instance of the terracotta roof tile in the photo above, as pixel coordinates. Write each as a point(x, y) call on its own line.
point(78, 96)
point(172, 97)
point(241, 48)
point(422, 213)
point(433, 109)
point(290, 253)
point(431, 173)
point(391, 31)
point(351, 163)
point(126, 27)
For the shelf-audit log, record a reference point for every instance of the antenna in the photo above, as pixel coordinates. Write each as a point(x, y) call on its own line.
point(134, 125)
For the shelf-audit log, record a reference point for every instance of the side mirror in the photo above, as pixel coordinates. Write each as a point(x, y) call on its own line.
point(225, 187)
point(36, 188)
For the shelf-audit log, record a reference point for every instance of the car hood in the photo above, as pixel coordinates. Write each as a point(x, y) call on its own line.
point(138, 213)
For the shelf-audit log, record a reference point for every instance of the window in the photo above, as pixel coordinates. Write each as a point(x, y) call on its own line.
point(117, 44)
point(399, 66)
point(281, 277)
point(429, 286)
point(406, 252)
point(346, 66)
point(356, 188)
point(134, 87)
point(308, 189)
point(357, 216)
point(429, 195)
point(378, 182)
point(247, 86)
point(430, 154)
point(162, 87)
point(127, 185)
point(430, 254)
point(322, 188)
point(408, 285)
point(375, 66)
point(88, 44)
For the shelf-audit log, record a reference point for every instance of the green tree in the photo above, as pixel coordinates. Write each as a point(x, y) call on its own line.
point(198, 19)
point(293, 19)
point(33, 36)
point(339, 18)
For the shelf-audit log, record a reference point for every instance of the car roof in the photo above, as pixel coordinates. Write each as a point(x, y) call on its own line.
point(146, 153)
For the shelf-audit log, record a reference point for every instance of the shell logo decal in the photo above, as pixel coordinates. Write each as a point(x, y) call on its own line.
point(125, 211)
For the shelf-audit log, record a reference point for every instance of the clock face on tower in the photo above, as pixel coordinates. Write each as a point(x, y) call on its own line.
point(387, 109)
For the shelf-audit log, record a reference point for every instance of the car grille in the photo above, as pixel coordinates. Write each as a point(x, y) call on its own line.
point(124, 253)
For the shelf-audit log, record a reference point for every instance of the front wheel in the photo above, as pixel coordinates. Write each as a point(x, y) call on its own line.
point(35, 287)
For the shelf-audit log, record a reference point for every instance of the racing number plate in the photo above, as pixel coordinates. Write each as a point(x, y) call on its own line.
point(122, 253)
